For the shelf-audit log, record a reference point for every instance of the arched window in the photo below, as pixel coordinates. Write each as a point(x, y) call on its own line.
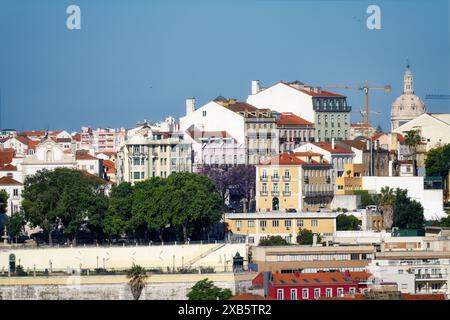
point(48, 156)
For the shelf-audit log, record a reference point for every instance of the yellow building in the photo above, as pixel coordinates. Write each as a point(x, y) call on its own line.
point(350, 180)
point(254, 227)
point(293, 182)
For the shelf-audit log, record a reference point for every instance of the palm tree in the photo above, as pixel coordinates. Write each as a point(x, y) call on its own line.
point(412, 140)
point(137, 275)
point(386, 203)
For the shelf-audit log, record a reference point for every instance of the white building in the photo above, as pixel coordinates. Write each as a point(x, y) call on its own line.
point(327, 110)
point(14, 190)
point(434, 128)
point(213, 117)
point(49, 155)
point(431, 200)
point(19, 144)
point(89, 163)
point(414, 272)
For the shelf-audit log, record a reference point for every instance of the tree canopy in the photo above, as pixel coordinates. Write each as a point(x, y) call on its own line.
point(437, 162)
point(306, 237)
point(408, 213)
point(273, 241)
point(347, 223)
point(206, 290)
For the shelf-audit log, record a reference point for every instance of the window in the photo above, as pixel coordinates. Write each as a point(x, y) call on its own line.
point(204, 113)
point(280, 258)
point(329, 292)
point(287, 223)
point(16, 192)
point(136, 175)
point(264, 187)
point(293, 294)
point(340, 292)
point(316, 293)
point(314, 223)
point(400, 271)
point(300, 223)
point(275, 223)
point(280, 294)
point(352, 291)
point(286, 173)
point(263, 223)
point(305, 294)
point(275, 187)
point(251, 223)
point(286, 187)
point(238, 224)
point(264, 173)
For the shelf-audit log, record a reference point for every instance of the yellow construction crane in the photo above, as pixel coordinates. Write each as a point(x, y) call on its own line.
point(366, 88)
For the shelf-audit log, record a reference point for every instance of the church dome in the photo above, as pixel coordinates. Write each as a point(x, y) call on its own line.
point(407, 106)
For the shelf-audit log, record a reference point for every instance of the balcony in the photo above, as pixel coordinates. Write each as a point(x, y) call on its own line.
point(438, 276)
point(286, 178)
point(286, 193)
point(275, 193)
point(275, 178)
point(263, 178)
point(263, 193)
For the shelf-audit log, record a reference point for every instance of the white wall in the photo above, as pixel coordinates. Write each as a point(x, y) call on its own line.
point(431, 200)
point(283, 98)
point(217, 118)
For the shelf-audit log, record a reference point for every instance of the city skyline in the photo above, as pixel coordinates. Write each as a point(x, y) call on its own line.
point(142, 60)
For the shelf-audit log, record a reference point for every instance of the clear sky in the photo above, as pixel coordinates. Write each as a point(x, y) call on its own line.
point(134, 59)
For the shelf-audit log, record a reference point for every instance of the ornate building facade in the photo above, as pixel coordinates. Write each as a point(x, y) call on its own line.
point(407, 106)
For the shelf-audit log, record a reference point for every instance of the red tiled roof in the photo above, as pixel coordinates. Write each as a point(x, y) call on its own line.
point(33, 144)
point(7, 181)
point(6, 156)
point(357, 144)
point(32, 133)
point(290, 159)
point(319, 278)
point(8, 167)
point(84, 156)
point(77, 137)
point(288, 118)
point(409, 296)
point(328, 147)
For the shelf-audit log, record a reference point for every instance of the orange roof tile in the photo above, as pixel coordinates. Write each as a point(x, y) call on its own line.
point(321, 278)
point(328, 147)
point(84, 156)
point(7, 181)
point(6, 156)
point(288, 118)
point(250, 296)
point(8, 167)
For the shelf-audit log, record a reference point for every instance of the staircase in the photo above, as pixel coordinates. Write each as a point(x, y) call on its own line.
point(204, 254)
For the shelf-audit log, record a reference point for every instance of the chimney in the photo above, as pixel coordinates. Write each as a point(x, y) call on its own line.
point(332, 143)
point(255, 86)
point(190, 105)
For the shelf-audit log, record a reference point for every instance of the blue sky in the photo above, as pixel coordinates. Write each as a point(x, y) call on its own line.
point(136, 59)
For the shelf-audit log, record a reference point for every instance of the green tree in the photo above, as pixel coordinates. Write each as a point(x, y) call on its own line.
point(386, 203)
point(206, 290)
point(150, 205)
point(191, 198)
point(347, 222)
point(437, 162)
point(306, 237)
point(412, 140)
point(408, 213)
point(118, 216)
point(273, 241)
point(137, 276)
point(366, 198)
point(64, 196)
point(15, 225)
